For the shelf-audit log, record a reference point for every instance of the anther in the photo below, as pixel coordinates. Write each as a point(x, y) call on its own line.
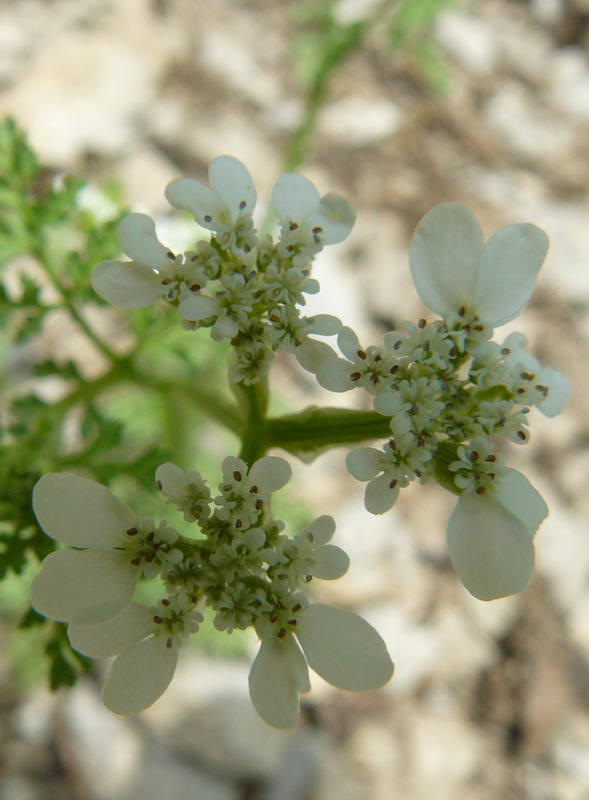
point(237, 476)
point(242, 205)
point(208, 218)
point(491, 458)
point(281, 633)
point(527, 376)
point(136, 561)
point(195, 287)
point(474, 456)
point(293, 226)
point(355, 376)
point(239, 524)
point(377, 358)
point(132, 532)
point(394, 369)
point(292, 622)
point(461, 311)
point(480, 490)
point(169, 643)
point(158, 620)
point(166, 602)
point(422, 323)
point(150, 536)
point(393, 483)
point(414, 409)
point(254, 490)
point(296, 607)
point(159, 485)
point(374, 378)
point(361, 354)
point(521, 435)
point(171, 255)
point(166, 281)
point(259, 505)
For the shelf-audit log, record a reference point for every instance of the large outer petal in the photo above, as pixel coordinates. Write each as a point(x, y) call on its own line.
point(343, 648)
point(233, 184)
point(126, 284)
point(278, 674)
point(444, 257)
point(294, 198)
point(80, 512)
point(139, 241)
point(83, 586)
point(336, 218)
point(187, 194)
point(139, 676)
point(331, 562)
point(113, 635)
point(507, 273)
point(490, 548)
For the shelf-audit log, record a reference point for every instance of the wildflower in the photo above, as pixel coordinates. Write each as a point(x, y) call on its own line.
point(308, 219)
point(455, 271)
point(145, 642)
point(340, 646)
point(225, 207)
point(490, 536)
point(154, 272)
point(97, 582)
point(244, 492)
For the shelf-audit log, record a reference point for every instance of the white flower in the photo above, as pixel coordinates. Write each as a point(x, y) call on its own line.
point(153, 273)
point(244, 492)
point(453, 268)
point(368, 368)
point(340, 646)
point(225, 207)
point(309, 556)
point(543, 387)
point(187, 490)
point(145, 642)
point(95, 583)
point(305, 216)
point(490, 537)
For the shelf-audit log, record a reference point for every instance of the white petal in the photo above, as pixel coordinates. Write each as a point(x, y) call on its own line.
point(138, 240)
point(508, 268)
point(348, 343)
point(126, 284)
point(198, 307)
point(387, 403)
point(336, 218)
point(80, 512)
point(322, 529)
point(444, 257)
point(343, 648)
point(334, 374)
point(364, 463)
point(311, 354)
point(139, 675)
point(518, 496)
point(270, 473)
point(223, 328)
point(278, 674)
point(559, 391)
point(294, 198)
point(490, 549)
point(83, 585)
point(187, 194)
point(233, 184)
point(325, 324)
point(111, 636)
point(171, 478)
point(331, 562)
point(378, 495)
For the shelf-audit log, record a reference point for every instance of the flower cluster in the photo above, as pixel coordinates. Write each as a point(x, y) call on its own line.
point(240, 564)
point(449, 392)
point(244, 288)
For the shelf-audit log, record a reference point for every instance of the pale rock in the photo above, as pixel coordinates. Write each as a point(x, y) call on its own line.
point(569, 82)
point(360, 121)
point(470, 39)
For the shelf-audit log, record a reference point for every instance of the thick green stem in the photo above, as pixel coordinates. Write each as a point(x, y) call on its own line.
point(254, 438)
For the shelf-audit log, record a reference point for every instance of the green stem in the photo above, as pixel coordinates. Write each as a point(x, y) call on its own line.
point(319, 428)
point(254, 400)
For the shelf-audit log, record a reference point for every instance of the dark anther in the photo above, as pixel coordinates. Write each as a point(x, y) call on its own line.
point(414, 409)
point(296, 607)
point(377, 358)
point(527, 376)
point(281, 633)
point(259, 505)
point(239, 524)
point(361, 354)
point(418, 473)
point(397, 344)
point(521, 435)
point(132, 532)
point(290, 248)
point(308, 578)
point(254, 490)
point(158, 620)
point(237, 476)
point(273, 618)
point(474, 456)
point(374, 378)
point(355, 376)
point(169, 643)
point(171, 255)
point(422, 323)
point(159, 485)
point(136, 561)
point(392, 444)
point(208, 218)
point(166, 602)
point(293, 226)
point(317, 229)
point(150, 536)
point(195, 287)
point(420, 441)
point(310, 536)
point(292, 622)
point(491, 458)
point(166, 281)
point(394, 369)
point(480, 490)
point(393, 483)
point(242, 205)
point(452, 352)
point(461, 311)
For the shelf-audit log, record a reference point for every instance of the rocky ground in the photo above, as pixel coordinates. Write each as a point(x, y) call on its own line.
point(489, 701)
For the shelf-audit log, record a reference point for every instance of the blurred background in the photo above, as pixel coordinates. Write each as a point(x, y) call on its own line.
point(398, 106)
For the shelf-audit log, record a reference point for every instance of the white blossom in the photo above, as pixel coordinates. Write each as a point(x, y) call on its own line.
point(490, 537)
point(454, 270)
point(340, 646)
point(225, 207)
point(94, 583)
